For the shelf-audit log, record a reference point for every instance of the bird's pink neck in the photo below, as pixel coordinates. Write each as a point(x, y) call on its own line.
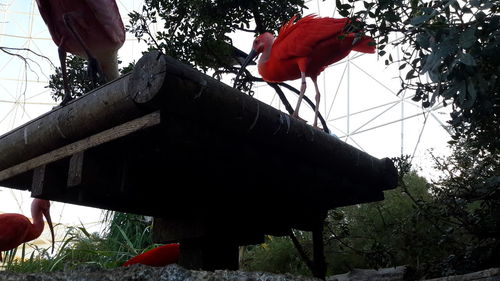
point(266, 53)
point(266, 42)
point(38, 224)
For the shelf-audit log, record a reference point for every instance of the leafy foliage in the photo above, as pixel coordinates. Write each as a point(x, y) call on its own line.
point(78, 77)
point(387, 233)
point(196, 32)
point(277, 255)
point(80, 82)
point(450, 52)
point(467, 204)
point(392, 232)
point(449, 48)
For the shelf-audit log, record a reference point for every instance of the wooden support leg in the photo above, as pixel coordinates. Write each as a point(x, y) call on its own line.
point(319, 264)
point(209, 254)
point(202, 247)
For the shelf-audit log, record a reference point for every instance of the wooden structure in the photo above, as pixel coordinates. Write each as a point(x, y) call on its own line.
point(215, 167)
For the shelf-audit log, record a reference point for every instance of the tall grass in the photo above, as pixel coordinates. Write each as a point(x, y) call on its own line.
point(125, 236)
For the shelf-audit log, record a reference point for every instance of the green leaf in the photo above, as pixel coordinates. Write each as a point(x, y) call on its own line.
point(467, 59)
point(480, 16)
point(418, 20)
point(435, 75)
point(462, 93)
point(471, 95)
point(344, 13)
point(410, 74)
point(467, 39)
point(429, 62)
point(423, 40)
point(475, 3)
point(435, 95)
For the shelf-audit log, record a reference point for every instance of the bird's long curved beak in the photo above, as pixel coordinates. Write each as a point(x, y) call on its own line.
point(249, 58)
point(46, 214)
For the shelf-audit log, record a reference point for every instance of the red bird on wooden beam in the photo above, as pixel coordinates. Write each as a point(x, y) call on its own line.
point(159, 256)
point(16, 229)
point(92, 29)
point(304, 49)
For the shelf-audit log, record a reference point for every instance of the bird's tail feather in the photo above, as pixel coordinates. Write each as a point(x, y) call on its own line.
point(365, 45)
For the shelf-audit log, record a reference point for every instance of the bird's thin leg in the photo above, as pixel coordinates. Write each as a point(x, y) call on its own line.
point(94, 67)
point(318, 96)
point(301, 95)
point(67, 92)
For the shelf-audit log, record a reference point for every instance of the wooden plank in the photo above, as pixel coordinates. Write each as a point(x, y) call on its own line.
point(75, 170)
point(130, 127)
point(48, 178)
point(38, 180)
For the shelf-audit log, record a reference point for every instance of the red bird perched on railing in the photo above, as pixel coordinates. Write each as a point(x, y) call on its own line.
point(90, 29)
point(159, 256)
point(16, 229)
point(304, 49)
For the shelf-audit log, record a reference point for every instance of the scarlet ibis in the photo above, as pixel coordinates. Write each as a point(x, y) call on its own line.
point(16, 229)
point(304, 49)
point(90, 29)
point(159, 256)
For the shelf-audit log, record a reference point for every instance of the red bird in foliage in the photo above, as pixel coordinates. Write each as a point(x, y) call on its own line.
point(304, 49)
point(159, 256)
point(16, 229)
point(90, 29)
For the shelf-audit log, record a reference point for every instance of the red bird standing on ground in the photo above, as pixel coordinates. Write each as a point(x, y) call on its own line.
point(159, 256)
point(92, 29)
point(16, 229)
point(304, 49)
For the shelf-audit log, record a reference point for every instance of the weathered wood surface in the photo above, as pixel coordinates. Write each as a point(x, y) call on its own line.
point(100, 109)
point(162, 82)
point(81, 145)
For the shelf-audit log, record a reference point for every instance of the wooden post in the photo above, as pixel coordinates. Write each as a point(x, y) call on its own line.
point(319, 262)
point(209, 253)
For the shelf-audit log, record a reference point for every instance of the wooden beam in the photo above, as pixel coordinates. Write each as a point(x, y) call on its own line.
point(96, 111)
point(122, 130)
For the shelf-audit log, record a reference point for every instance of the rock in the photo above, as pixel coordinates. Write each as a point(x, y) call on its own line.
point(383, 274)
point(492, 274)
point(145, 273)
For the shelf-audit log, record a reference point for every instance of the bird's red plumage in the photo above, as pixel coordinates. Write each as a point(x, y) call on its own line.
point(16, 229)
point(159, 256)
point(98, 22)
point(304, 49)
point(310, 45)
